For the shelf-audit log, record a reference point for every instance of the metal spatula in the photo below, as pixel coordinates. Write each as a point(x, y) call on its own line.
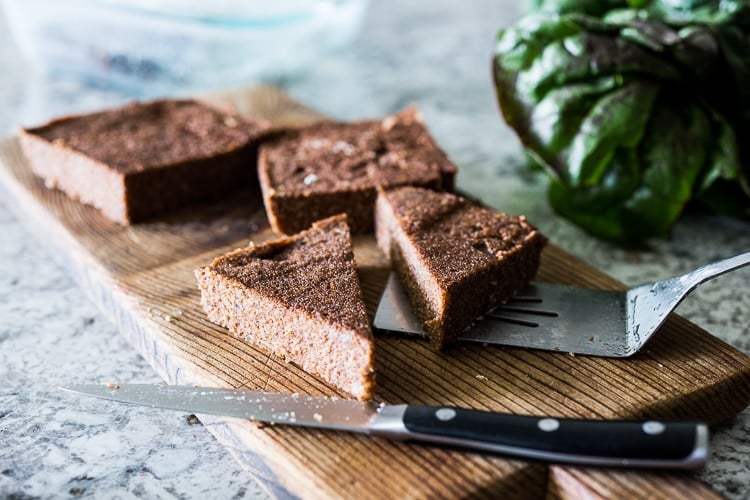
point(568, 319)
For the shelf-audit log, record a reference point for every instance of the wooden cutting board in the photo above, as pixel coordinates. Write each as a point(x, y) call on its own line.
point(142, 277)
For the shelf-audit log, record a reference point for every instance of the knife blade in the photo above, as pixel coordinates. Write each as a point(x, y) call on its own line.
point(652, 443)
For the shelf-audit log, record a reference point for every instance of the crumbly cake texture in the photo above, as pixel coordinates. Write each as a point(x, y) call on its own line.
point(330, 167)
point(145, 158)
point(455, 259)
point(298, 297)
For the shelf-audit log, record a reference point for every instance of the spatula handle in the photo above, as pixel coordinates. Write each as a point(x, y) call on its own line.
point(659, 444)
point(704, 273)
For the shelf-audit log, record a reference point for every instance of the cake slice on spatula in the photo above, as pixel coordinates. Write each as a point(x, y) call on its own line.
point(298, 297)
point(456, 260)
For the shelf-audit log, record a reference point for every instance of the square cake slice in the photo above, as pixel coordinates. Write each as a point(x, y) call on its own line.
point(455, 259)
point(329, 167)
point(145, 158)
point(299, 298)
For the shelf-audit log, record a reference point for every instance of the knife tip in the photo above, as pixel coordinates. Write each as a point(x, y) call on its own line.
point(112, 386)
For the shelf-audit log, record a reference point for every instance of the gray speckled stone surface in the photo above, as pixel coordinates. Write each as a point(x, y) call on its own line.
point(432, 54)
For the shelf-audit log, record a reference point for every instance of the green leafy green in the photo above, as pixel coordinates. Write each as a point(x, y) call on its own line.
point(635, 108)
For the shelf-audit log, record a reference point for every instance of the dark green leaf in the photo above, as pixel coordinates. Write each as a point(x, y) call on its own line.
point(634, 108)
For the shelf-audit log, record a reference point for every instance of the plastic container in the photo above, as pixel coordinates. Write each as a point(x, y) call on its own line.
point(157, 47)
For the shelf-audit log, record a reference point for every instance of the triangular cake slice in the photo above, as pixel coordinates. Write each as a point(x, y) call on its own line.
point(455, 259)
point(299, 298)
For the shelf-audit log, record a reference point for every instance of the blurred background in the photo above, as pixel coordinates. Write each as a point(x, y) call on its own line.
point(147, 49)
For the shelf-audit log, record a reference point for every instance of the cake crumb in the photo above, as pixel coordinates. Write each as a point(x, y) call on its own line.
point(318, 417)
point(572, 354)
point(315, 143)
point(389, 122)
point(113, 385)
point(343, 147)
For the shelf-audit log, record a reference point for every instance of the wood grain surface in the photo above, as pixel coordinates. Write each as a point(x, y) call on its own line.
point(142, 278)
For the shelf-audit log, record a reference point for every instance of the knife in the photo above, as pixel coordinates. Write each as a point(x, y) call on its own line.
point(652, 443)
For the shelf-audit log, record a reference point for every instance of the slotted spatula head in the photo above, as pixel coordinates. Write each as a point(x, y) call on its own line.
point(544, 316)
point(568, 319)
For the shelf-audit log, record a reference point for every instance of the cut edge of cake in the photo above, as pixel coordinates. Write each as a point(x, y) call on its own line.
point(61, 169)
point(342, 355)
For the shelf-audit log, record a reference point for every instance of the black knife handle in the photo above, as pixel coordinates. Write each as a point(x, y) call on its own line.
point(668, 444)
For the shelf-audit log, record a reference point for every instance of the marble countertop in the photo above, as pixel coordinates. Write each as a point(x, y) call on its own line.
point(432, 54)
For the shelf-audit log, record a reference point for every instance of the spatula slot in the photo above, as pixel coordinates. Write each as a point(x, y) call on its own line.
point(535, 312)
point(514, 321)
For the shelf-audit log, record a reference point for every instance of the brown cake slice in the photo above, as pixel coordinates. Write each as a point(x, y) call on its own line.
point(145, 159)
point(299, 298)
point(455, 259)
point(330, 167)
